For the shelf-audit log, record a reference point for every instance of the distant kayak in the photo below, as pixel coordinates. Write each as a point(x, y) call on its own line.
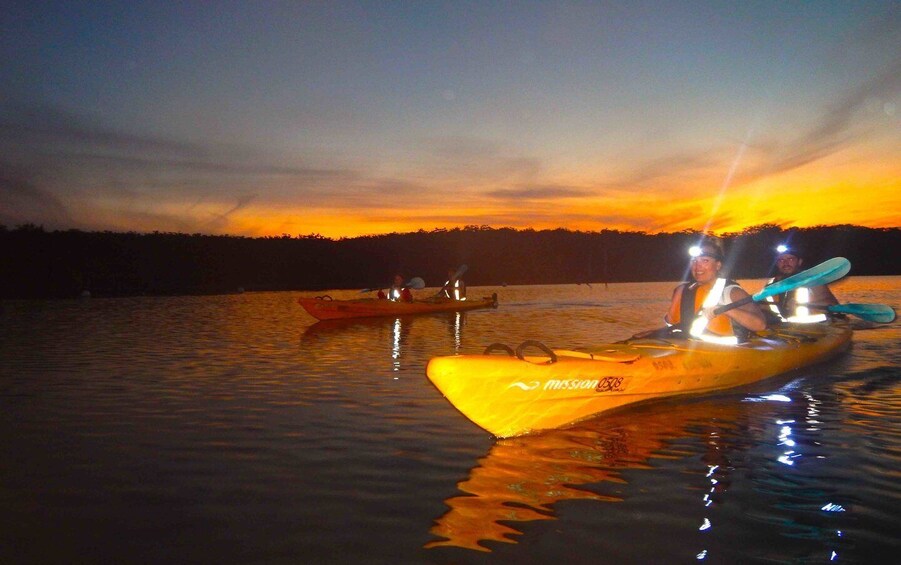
point(324, 308)
point(514, 393)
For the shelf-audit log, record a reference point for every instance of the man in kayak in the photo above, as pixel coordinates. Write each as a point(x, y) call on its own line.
point(692, 306)
point(794, 306)
point(454, 288)
point(398, 292)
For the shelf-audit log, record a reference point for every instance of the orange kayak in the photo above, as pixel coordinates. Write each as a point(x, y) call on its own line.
point(515, 394)
point(324, 308)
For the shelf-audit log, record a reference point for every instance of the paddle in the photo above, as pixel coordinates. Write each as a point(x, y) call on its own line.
point(462, 269)
point(824, 273)
point(416, 283)
point(879, 313)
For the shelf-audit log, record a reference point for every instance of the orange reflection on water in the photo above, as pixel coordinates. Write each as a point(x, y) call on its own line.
point(522, 478)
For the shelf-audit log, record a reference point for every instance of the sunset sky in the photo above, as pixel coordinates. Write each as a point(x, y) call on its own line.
point(348, 118)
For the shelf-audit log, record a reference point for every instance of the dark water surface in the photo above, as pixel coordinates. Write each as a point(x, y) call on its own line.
point(234, 429)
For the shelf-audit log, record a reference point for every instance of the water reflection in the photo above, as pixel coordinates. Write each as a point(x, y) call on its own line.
point(457, 331)
point(730, 450)
point(383, 337)
point(801, 454)
point(375, 337)
point(522, 478)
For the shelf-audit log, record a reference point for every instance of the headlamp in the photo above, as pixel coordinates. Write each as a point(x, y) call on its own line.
point(704, 251)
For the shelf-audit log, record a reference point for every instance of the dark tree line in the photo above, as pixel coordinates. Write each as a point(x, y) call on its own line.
point(35, 263)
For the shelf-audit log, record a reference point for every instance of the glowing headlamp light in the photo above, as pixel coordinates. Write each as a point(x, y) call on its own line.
point(696, 251)
point(781, 248)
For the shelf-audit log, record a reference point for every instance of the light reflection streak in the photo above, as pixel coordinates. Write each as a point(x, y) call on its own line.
point(768, 397)
point(812, 411)
point(791, 453)
point(395, 344)
point(707, 498)
point(331, 339)
point(706, 525)
point(458, 331)
point(785, 439)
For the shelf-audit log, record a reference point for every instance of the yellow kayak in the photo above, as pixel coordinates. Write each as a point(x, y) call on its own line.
point(515, 394)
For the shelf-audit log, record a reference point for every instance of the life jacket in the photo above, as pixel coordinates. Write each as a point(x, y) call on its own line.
point(399, 294)
point(454, 291)
point(801, 297)
point(720, 329)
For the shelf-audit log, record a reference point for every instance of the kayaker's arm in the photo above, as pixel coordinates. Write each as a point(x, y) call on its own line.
point(674, 305)
point(748, 315)
point(822, 295)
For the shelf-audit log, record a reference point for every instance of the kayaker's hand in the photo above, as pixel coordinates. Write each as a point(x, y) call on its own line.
point(708, 312)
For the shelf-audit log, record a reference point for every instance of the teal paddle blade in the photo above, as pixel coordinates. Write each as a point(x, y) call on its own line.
point(879, 313)
point(824, 273)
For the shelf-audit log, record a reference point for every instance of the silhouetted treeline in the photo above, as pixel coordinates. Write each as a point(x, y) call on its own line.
point(35, 263)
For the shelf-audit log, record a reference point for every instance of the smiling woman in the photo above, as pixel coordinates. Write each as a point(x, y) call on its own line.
point(693, 304)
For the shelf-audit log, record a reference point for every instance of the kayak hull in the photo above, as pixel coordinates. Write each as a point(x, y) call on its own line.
point(323, 308)
point(512, 395)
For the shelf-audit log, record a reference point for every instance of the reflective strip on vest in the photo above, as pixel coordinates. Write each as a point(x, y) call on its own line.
point(808, 319)
point(457, 291)
point(774, 308)
point(456, 294)
point(699, 325)
point(802, 298)
point(802, 313)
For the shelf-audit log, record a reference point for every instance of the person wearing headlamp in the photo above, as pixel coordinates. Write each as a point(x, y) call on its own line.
point(795, 306)
point(692, 306)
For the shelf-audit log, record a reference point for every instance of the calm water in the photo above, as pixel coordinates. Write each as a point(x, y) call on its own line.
point(234, 429)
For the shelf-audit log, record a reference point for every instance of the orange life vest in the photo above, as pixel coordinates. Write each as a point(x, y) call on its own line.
point(690, 304)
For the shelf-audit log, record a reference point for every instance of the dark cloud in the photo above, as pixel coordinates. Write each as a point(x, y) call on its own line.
point(56, 154)
point(50, 127)
point(664, 170)
point(49, 133)
point(21, 201)
point(463, 156)
point(536, 193)
point(220, 222)
point(142, 163)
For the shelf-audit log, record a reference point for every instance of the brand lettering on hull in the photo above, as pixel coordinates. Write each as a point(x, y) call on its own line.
point(606, 384)
point(570, 384)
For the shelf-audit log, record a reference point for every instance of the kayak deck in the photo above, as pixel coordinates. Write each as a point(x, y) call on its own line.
point(324, 308)
point(518, 393)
